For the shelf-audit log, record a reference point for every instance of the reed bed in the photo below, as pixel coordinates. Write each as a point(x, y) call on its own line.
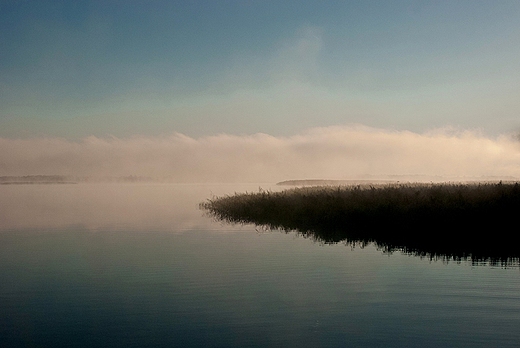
point(451, 220)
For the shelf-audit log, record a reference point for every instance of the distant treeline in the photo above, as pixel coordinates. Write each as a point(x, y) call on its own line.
point(451, 221)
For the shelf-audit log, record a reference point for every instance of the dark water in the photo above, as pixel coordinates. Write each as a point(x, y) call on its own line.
point(138, 265)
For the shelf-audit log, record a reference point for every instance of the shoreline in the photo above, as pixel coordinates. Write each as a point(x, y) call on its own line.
point(457, 221)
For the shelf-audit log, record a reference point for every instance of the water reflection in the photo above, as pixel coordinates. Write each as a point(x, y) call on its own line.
point(480, 248)
point(119, 287)
point(173, 207)
point(482, 235)
point(109, 206)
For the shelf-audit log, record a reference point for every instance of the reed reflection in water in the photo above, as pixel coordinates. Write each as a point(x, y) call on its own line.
point(448, 221)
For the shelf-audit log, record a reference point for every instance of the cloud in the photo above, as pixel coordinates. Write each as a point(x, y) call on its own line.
point(298, 59)
point(345, 152)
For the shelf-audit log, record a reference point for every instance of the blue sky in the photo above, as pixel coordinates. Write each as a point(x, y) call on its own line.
point(78, 68)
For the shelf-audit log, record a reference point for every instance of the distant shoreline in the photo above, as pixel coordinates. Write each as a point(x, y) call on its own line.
point(396, 179)
point(70, 179)
point(38, 183)
point(323, 182)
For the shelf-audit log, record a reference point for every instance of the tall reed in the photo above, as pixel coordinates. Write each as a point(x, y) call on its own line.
point(477, 221)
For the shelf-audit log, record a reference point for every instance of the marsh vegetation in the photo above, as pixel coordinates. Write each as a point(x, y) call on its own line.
point(476, 221)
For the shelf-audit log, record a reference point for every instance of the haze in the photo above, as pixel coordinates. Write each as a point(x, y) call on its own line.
point(260, 91)
point(333, 152)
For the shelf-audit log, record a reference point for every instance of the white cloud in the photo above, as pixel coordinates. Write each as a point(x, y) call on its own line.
point(330, 153)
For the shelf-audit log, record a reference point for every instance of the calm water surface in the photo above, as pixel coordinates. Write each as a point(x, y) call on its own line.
point(133, 265)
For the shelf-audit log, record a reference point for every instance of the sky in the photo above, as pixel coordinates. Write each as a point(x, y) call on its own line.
point(254, 79)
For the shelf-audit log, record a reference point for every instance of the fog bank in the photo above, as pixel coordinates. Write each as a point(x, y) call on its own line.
point(349, 152)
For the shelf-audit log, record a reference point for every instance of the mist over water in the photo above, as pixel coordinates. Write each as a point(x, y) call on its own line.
point(124, 264)
point(348, 152)
point(91, 265)
point(105, 206)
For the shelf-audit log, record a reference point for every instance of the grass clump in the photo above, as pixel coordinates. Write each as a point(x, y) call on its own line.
point(456, 221)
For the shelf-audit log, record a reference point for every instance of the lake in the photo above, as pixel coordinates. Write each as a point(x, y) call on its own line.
point(135, 265)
